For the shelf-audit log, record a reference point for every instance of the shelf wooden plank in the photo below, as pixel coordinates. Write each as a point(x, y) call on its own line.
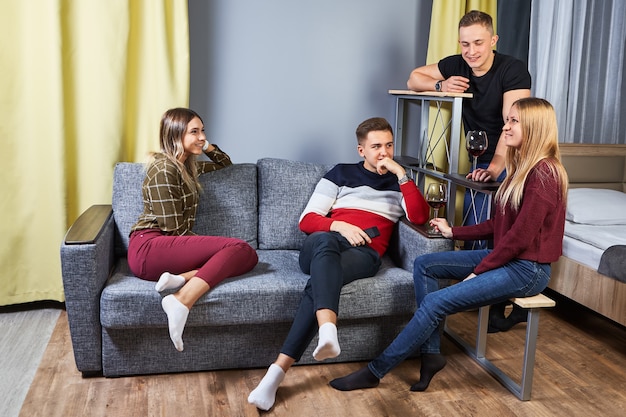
point(429, 93)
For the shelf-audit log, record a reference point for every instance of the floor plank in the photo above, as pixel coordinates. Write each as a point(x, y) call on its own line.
point(580, 371)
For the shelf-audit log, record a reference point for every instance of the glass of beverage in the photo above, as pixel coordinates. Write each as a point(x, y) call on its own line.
point(437, 197)
point(476, 144)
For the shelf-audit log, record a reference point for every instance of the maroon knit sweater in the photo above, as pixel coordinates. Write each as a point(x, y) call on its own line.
point(535, 233)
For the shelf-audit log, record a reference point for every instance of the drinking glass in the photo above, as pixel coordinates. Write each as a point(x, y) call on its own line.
point(436, 197)
point(476, 144)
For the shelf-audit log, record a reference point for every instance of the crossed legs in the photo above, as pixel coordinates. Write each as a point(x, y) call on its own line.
point(194, 265)
point(518, 278)
point(332, 262)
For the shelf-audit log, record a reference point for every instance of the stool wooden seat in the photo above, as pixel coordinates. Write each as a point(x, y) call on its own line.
point(538, 300)
point(533, 304)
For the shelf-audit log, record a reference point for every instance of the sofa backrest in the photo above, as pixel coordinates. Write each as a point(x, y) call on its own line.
point(126, 201)
point(260, 203)
point(284, 189)
point(228, 202)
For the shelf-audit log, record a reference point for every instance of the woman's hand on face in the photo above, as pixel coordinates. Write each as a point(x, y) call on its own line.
point(208, 147)
point(443, 227)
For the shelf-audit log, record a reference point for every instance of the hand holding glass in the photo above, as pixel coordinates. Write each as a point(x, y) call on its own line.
point(476, 144)
point(436, 197)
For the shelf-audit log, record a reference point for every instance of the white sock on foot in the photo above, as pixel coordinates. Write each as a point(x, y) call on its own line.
point(177, 314)
point(264, 395)
point(327, 344)
point(169, 281)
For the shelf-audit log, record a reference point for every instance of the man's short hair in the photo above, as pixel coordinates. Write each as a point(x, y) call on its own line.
point(374, 124)
point(476, 17)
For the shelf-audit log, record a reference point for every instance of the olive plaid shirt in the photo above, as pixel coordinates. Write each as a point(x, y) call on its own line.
point(168, 203)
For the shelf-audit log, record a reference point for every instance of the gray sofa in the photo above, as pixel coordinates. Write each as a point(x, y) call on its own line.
point(116, 321)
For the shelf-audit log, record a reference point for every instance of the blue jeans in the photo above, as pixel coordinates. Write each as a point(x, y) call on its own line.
point(332, 263)
point(518, 278)
point(477, 213)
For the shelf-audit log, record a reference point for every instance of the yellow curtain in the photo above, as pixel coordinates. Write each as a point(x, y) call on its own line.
point(444, 41)
point(84, 83)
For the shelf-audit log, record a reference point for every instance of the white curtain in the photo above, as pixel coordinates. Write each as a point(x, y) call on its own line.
point(577, 59)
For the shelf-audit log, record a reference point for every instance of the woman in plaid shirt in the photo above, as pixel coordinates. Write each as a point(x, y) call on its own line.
point(162, 246)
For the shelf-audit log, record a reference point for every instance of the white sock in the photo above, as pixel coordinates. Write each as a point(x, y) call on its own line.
point(264, 395)
point(327, 344)
point(177, 314)
point(169, 282)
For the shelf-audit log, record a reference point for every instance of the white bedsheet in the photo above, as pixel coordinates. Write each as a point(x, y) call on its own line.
point(585, 243)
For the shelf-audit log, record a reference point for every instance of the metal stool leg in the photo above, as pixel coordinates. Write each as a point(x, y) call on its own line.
point(521, 391)
point(532, 329)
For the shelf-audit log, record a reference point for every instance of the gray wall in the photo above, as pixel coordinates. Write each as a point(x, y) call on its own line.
point(292, 79)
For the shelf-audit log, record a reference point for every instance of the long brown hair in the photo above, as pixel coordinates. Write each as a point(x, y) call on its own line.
point(174, 124)
point(540, 141)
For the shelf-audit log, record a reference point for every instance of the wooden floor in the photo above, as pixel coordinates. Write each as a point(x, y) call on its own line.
point(580, 371)
point(24, 334)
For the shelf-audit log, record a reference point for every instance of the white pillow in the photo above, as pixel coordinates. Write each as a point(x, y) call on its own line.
point(596, 206)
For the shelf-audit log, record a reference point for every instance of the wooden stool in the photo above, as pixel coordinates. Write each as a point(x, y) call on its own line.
point(533, 304)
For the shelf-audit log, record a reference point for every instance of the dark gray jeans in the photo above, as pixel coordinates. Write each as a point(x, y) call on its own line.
point(331, 262)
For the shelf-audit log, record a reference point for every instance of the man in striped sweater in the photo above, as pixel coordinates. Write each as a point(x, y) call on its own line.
point(349, 220)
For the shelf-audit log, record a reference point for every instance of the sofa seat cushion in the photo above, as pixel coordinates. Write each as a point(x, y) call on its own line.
point(270, 293)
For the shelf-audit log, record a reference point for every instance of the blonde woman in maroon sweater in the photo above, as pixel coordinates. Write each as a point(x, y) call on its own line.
point(527, 229)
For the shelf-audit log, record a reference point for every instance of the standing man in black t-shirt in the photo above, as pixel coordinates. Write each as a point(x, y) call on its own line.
point(495, 80)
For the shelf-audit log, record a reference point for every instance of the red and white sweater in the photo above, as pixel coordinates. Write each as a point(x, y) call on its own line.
point(351, 193)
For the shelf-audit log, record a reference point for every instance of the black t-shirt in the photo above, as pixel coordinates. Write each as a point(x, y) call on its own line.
point(484, 110)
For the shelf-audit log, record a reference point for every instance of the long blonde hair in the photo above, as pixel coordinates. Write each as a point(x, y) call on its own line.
point(540, 141)
point(174, 124)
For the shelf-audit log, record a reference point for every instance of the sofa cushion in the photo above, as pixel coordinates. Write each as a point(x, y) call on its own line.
point(284, 190)
point(270, 293)
point(228, 203)
point(227, 207)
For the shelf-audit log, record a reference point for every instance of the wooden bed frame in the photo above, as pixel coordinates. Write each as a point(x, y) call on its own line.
point(593, 166)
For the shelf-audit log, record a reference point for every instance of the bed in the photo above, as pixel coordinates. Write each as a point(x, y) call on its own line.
point(592, 269)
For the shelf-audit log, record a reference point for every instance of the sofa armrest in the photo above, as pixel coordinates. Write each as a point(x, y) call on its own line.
point(87, 257)
point(89, 225)
point(408, 242)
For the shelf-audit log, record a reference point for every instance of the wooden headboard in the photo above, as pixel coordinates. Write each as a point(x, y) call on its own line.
point(595, 166)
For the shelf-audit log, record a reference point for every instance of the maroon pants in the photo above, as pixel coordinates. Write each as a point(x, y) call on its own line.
point(150, 253)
